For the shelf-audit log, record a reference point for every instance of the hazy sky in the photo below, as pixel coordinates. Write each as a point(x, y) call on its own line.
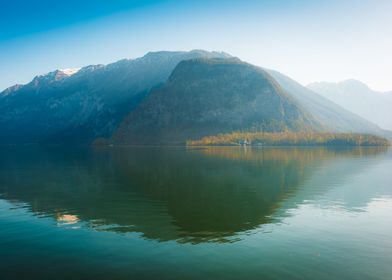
point(329, 40)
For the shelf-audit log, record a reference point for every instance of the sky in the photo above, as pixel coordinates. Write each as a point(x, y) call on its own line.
point(307, 40)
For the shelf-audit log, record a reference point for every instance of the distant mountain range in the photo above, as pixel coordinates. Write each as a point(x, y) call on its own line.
point(165, 98)
point(358, 98)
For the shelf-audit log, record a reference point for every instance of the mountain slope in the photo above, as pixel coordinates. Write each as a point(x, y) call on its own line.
point(333, 117)
point(358, 98)
point(210, 96)
point(79, 106)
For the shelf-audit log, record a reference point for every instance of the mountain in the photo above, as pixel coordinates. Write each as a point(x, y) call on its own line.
point(80, 105)
point(207, 97)
point(211, 96)
point(358, 98)
point(165, 97)
point(333, 117)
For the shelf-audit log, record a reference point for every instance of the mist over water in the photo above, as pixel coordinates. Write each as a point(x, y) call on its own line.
point(216, 212)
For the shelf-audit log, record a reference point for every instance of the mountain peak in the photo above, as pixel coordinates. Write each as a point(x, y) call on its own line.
point(219, 54)
point(91, 68)
point(69, 71)
point(357, 97)
point(54, 76)
point(10, 90)
point(353, 84)
point(196, 52)
point(349, 84)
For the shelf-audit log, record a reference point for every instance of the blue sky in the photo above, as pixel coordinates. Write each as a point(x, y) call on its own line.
point(307, 40)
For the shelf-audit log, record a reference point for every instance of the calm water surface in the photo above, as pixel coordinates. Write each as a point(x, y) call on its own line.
point(201, 213)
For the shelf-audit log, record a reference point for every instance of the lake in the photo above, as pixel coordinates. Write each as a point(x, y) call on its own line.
point(195, 213)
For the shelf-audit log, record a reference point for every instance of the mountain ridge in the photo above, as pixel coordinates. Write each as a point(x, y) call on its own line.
point(86, 105)
point(78, 106)
point(355, 96)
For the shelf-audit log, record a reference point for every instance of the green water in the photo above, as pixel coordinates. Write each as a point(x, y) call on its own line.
point(202, 213)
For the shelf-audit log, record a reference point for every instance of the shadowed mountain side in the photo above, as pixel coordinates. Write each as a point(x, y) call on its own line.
point(211, 96)
point(77, 108)
point(188, 195)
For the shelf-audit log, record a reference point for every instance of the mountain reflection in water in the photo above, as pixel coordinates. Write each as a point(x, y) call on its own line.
point(188, 195)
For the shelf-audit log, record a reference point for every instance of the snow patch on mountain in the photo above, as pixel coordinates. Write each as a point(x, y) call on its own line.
point(70, 71)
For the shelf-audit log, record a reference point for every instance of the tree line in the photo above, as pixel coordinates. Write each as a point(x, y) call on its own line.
point(290, 139)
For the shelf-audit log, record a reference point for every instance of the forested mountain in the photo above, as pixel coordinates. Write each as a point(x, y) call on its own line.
point(210, 96)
